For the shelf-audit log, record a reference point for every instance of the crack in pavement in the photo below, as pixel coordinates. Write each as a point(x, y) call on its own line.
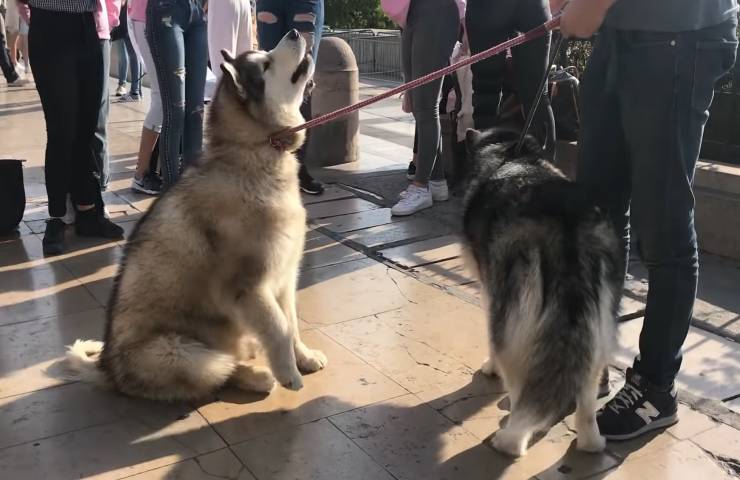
point(424, 364)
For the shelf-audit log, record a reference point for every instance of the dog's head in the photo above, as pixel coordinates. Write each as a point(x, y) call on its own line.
point(268, 87)
point(491, 149)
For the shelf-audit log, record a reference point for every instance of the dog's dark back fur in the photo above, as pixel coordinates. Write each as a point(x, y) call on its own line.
point(524, 219)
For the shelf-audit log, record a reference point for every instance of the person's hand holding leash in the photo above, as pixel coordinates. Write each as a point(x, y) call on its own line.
point(582, 18)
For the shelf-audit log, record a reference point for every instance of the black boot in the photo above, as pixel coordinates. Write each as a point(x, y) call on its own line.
point(92, 223)
point(53, 242)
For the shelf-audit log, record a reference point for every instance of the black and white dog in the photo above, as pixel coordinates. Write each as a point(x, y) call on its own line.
point(549, 265)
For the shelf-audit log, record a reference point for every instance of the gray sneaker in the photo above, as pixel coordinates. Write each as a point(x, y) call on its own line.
point(149, 185)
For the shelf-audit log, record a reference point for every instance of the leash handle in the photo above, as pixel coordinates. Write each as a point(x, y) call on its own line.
point(537, 32)
point(538, 97)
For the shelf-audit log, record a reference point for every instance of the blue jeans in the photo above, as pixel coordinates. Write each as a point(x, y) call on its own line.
point(178, 39)
point(645, 102)
point(127, 57)
point(275, 18)
point(99, 144)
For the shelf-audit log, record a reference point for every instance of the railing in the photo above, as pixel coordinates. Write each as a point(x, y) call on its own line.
point(378, 52)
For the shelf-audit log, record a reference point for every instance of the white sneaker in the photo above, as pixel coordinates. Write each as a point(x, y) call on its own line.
point(414, 199)
point(19, 82)
point(121, 90)
point(440, 191)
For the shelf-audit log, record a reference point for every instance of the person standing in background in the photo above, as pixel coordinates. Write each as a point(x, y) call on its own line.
point(128, 60)
point(490, 22)
point(429, 35)
point(7, 67)
point(67, 65)
point(178, 40)
point(229, 28)
point(275, 18)
point(144, 180)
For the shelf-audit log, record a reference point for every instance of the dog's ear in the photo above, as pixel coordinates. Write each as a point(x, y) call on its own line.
point(232, 76)
point(227, 55)
point(472, 139)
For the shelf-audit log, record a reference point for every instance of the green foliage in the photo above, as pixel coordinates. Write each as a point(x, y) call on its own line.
point(355, 14)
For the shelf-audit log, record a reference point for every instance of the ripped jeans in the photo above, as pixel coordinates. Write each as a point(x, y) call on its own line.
point(275, 18)
point(176, 31)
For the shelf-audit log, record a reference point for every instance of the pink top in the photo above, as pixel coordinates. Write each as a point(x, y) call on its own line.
point(137, 10)
point(106, 17)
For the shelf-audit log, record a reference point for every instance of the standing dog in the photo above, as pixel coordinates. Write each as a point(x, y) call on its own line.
point(548, 263)
point(214, 263)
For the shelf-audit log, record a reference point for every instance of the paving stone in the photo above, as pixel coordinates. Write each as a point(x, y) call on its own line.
point(357, 221)
point(346, 383)
point(339, 207)
point(722, 441)
point(402, 231)
point(315, 450)
point(331, 192)
point(322, 251)
point(221, 464)
point(424, 252)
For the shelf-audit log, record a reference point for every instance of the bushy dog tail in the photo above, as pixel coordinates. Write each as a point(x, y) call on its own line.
point(81, 363)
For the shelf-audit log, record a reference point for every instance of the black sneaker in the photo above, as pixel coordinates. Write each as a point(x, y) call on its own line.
point(90, 223)
point(637, 408)
point(53, 242)
point(411, 172)
point(307, 182)
point(150, 184)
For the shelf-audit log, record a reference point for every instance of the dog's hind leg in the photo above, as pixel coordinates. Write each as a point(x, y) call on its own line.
point(264, 315)
point(308, 360)
point(253, 379)
point(589, 437)
point(514, 438)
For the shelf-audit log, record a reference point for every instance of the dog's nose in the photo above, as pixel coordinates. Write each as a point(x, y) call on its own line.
point(293, 34)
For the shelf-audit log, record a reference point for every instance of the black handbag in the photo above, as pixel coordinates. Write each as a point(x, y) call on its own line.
point(12, 195)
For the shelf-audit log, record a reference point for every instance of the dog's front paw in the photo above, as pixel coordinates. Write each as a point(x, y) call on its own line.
point(489, 367)
point(291, 380)
point(591, 444)
point(311, 361)
point(509, 444)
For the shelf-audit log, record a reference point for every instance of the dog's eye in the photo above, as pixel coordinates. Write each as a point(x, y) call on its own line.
point(266, 66)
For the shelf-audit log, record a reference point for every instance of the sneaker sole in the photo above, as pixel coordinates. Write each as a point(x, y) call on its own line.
point(144, 191)
point(311, 192)
point(406, 214)
point(655, 425)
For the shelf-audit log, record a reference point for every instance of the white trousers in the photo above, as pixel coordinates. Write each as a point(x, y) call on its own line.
point(230, 28)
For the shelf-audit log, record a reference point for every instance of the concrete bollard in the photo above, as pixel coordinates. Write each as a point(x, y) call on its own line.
point(337, 85)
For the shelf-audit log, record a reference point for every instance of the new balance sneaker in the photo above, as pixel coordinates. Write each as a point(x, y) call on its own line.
point(411, 171)
point(53, 243)
point(308, 184)
point(638, 408)
point(128, 98)
point(413, 200)
point(440, 190)
point(149, 185)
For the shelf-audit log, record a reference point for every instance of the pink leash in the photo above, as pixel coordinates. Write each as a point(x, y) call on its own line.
point(495, 50)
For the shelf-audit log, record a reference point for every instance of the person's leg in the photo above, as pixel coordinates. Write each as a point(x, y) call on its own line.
point(5, 64)
point(271, 23)
point(488, 23)
point(54, 52)
point(12, 24)
point(23, 45)
point(99, 143)
point(120, 47)
point(244, 32)
point(196, 64)
point(531, 61)
point(668, 84)
point(165, 35)
point(435, 26)
point(223, 27)
point(153, 120)
point(307, 16)
point(135, 64)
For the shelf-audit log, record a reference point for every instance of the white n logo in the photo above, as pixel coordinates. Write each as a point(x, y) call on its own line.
point(647, 412)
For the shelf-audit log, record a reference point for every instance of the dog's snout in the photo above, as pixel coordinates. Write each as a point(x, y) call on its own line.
point(293, 34)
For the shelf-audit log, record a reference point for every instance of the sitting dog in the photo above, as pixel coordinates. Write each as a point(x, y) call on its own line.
point(549, 266)
point(214, 263)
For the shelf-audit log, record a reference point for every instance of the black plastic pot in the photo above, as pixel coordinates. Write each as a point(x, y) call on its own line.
point(12, 195)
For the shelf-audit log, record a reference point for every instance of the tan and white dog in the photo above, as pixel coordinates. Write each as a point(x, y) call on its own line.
point(214, 264)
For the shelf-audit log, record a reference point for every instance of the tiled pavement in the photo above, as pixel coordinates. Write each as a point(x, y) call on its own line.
point(390, 304)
